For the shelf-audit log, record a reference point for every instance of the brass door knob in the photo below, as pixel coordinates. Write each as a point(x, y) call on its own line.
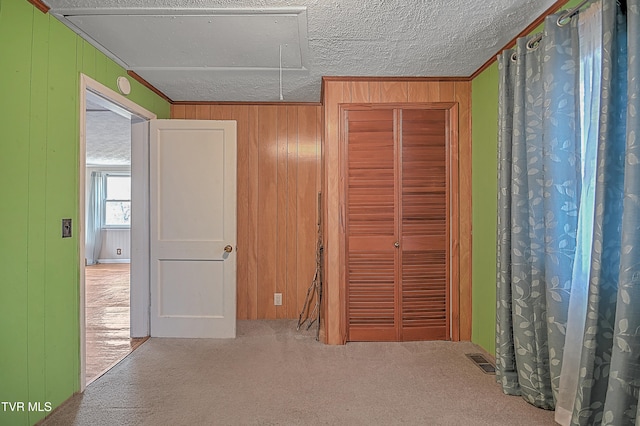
point(396, 244)
point(228, 248)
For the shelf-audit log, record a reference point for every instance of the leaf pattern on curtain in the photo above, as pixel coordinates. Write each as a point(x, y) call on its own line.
point(624, 377)
point(537, 219)
point(538, 197)
point(609, 380)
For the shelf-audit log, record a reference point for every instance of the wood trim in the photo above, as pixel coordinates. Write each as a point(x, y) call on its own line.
point(322, 97)
point(40, 5)
point(148, 85)
point(343, 129)
point(532, 26)
point(453, 198)
point(453, 221)
point(463, 97)
point(322, 211)
point(231, 103)
point(397, 105)
point(333, 230)
point(398, 174)
point(391, 78)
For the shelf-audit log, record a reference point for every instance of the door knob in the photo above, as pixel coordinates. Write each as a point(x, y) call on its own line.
point(228, 248)
point(396, 244)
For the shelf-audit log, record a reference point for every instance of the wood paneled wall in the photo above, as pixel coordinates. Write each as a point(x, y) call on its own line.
point(337, 90)
point(278, 181)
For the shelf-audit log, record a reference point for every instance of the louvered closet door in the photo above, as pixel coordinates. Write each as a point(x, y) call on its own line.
point(425, 237)
point(397, 192)
point(371, 222)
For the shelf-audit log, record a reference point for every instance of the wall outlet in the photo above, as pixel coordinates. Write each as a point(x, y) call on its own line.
point(119, 252)
point(277, 299)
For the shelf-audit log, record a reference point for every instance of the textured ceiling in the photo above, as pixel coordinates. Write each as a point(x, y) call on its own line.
point(222, 50)
point(108, 139)
point(108, 133)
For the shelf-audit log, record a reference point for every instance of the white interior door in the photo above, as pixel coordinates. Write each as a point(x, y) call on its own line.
point(193, 227)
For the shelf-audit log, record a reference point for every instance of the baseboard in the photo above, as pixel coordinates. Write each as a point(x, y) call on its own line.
point(114, 260)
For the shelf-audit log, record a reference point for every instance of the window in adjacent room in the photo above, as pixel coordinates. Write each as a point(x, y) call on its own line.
point(117, 206)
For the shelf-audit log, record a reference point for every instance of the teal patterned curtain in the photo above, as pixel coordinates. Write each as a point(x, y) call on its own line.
point(590, 76)
point(539, 183)
point(545, 172)
point(609, 380)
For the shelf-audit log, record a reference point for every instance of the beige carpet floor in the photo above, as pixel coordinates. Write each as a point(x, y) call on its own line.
point(273, 375)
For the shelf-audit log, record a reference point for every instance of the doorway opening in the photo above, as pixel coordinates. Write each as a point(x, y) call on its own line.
point(114, 221)
point(107, 235)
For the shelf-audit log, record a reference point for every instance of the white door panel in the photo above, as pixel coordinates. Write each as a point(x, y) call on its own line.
point(193, 219)
point(139, 289)
point(180, 295)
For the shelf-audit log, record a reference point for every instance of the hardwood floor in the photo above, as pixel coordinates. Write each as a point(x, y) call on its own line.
point(107, 317)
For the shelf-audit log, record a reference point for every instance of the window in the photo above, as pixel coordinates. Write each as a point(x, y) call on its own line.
point(117, 205)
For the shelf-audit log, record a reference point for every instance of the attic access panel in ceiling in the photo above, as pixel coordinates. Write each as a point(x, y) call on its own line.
point(197, 39)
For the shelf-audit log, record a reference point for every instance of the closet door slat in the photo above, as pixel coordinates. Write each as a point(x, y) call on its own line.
point(425, 239)
point(371, 221)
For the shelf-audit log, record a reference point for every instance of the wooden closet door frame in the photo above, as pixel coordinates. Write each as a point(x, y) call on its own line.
point(453, 199)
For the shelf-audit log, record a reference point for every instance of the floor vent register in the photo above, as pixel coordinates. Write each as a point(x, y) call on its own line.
point(482, 362)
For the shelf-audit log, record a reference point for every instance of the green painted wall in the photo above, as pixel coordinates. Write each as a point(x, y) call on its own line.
point(485, 174)
point(40, 64)
point(484, 101)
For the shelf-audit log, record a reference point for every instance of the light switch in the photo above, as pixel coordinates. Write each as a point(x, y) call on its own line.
point(66, 228)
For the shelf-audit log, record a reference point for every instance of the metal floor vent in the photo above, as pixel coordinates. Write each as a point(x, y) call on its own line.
point(482, 362)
